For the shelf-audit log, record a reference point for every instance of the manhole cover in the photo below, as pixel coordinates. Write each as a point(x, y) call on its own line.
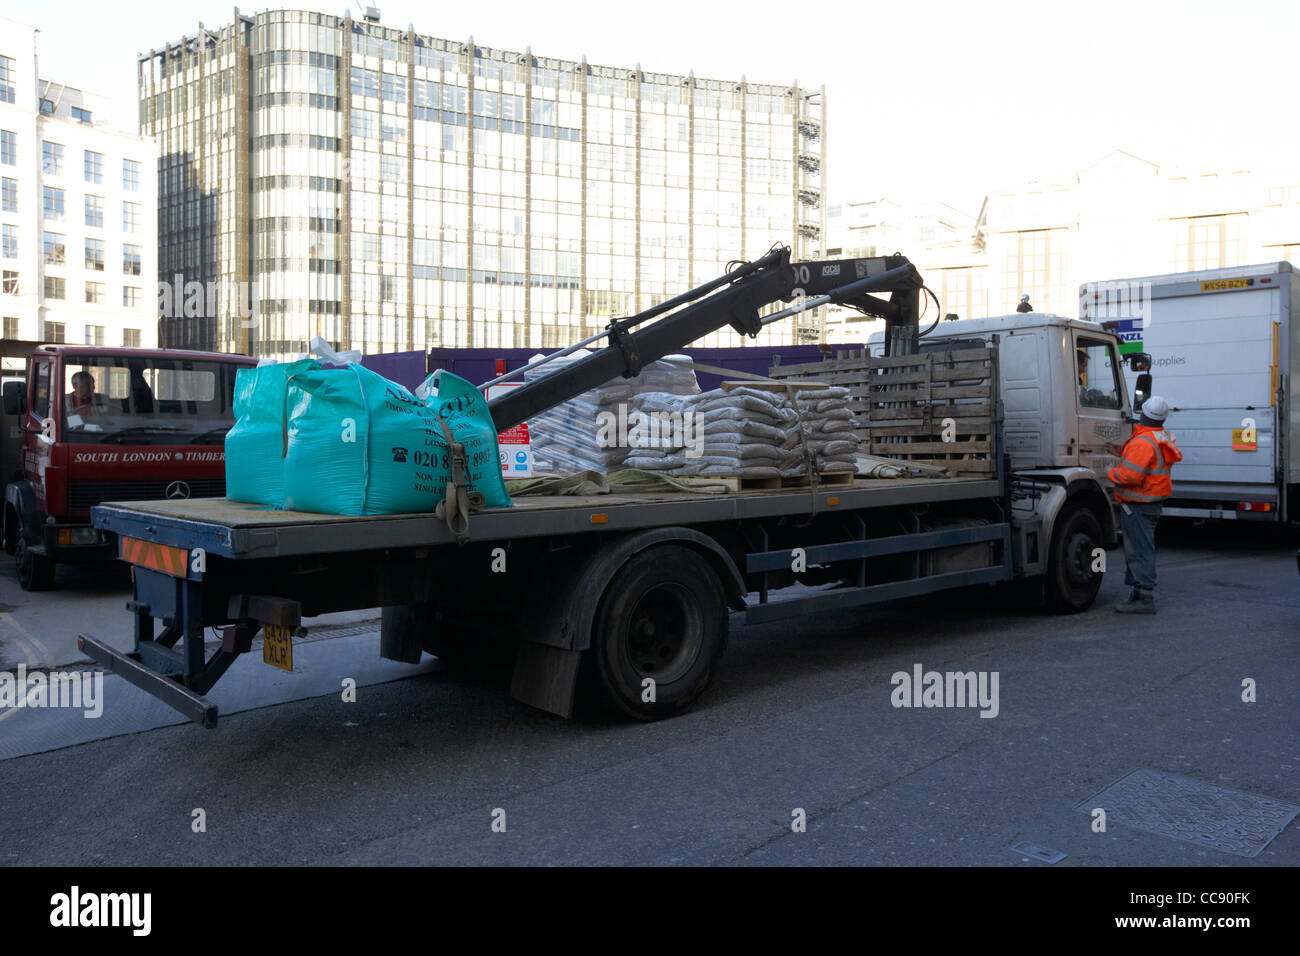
point(1231, 821)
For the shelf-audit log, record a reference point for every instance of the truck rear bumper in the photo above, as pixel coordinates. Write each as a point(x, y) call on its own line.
point(167, 689)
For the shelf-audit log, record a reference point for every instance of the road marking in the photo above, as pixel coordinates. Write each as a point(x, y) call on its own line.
point(27, 640)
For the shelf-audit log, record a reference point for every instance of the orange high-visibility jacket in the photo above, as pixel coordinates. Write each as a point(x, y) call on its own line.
point(1145, 461)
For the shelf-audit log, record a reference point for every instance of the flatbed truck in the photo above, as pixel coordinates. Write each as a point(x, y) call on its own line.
point(631, 592)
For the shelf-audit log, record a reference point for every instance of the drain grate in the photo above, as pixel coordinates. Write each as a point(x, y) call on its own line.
point(1036, 852)
point(1218, 818)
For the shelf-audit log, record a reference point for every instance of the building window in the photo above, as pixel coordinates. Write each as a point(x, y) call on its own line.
point(56, 288)
point(55, 248)
point(11, 327)
point(54, 332)
point(130, 260)
point(94, 296)
point(1035, 267)
point(53, 206)
point(9, 243)
point(1208, 242)
point(94, 335)
point(8, 147)
point(131, 338)
point(10, 282)
point(130, 175)
point(94, 166)
point(47, 107)
point(130, 216)
point(9, 195)
point(95, 255)
point(95, 211)
point(961, 291)
point(82, 116)
point(1287, 253)
point(52, 158)
point(7, 78)
point(130, 297)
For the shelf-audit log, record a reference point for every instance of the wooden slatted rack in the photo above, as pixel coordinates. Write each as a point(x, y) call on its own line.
point(903, 403)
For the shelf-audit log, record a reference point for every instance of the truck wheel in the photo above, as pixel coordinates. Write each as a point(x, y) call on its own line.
point(35, 571)
point(1071, 585)
point(662, 618)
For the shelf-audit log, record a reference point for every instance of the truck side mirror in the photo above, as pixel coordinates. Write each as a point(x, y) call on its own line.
point(15, 397)
point(1141, 390)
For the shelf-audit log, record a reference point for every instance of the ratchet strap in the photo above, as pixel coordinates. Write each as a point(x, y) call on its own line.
point(460, 502)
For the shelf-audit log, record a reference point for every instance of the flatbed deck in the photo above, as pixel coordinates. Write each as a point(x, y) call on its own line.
point(232, 529)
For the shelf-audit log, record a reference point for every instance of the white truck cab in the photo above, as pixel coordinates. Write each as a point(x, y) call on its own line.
point(1063, 399)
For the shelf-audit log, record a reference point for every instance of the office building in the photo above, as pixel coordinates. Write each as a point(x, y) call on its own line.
point(78, 201)
point(390, 190)
point(1121, 216)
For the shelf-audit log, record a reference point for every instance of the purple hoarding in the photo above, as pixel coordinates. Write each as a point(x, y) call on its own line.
point(480, 365)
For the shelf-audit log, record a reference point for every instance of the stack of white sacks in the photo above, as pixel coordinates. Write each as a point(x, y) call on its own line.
point(749, 432)
point(588, 433)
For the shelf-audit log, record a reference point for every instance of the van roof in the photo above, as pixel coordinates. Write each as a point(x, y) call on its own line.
point(1171, 278)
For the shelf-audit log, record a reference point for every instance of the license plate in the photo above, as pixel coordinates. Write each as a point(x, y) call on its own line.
point(1219, 285)
point(277, 647)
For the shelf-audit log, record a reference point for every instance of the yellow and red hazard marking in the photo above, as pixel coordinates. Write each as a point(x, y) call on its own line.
point(1244, 439)
point(157, 557)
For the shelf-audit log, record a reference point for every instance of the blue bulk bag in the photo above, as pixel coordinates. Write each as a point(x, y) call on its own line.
point(255, 444)
point(465, 410)
point(356, 443)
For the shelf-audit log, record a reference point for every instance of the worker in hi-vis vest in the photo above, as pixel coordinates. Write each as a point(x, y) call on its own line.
point(1142, 482)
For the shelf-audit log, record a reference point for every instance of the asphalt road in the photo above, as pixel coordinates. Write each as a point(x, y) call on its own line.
point(800, 718)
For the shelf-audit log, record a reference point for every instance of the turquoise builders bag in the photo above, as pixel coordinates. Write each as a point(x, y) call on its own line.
point(255, 444)
point(465, 410)
point(357, 444)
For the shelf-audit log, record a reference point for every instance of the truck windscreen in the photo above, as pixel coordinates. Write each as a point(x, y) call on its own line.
point(144, 400)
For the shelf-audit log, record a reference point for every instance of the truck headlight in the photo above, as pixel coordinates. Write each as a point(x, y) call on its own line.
point(78, 536)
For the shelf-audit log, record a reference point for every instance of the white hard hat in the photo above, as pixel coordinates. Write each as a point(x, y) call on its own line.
point(1155, 408)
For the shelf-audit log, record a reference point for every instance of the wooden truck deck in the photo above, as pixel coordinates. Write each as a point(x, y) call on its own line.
point(235, 530)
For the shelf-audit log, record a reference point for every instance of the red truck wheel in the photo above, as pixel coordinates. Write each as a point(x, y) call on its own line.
point(658, 632)
point(35, 571)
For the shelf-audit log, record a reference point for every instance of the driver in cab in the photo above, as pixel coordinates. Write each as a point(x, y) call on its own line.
point(1092, 397)
point(83, 401)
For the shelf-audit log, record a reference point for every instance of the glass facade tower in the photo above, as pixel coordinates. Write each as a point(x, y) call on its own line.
point(390, 191)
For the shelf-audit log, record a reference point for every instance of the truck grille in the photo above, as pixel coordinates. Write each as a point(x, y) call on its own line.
point(85, 494)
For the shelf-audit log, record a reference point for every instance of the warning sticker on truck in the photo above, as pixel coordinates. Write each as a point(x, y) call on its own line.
point(1244, 439)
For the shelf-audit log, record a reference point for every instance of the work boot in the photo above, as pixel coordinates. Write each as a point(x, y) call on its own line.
point(1139, 602)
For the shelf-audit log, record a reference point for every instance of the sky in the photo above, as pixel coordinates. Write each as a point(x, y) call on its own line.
point(927, 100)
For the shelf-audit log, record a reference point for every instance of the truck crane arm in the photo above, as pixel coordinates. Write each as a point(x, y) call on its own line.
point(734, 299)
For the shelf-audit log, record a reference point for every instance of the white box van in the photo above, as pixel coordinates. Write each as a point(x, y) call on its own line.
point(1220, 342)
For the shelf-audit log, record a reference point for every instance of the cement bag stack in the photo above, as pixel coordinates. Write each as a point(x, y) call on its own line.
point(750, 433)
point(359, 444)
point(575, 435)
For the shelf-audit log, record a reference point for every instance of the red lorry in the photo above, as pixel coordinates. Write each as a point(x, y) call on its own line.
point(88, 424)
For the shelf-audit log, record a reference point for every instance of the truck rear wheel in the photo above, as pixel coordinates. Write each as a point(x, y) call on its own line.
point(1071, 584)
point(35, 571)
point(658, 632)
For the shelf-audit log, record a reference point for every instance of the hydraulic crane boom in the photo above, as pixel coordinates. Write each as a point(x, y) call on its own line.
point(736, 300)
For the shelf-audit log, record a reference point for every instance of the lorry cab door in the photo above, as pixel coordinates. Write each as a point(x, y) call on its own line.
point(1100, 399)
point(38, 425)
